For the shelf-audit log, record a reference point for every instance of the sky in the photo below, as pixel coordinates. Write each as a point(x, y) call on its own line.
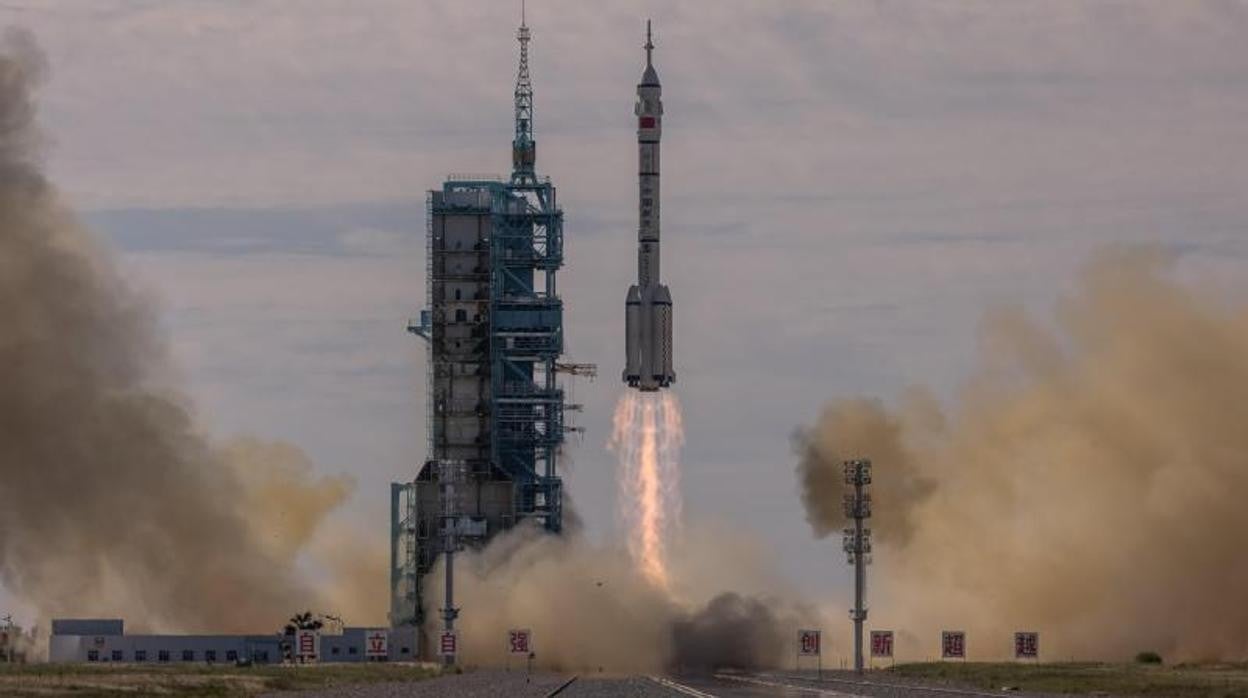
point(848, 187)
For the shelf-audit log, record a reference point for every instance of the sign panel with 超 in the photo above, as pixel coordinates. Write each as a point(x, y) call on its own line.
point(882, 644)
point(307, 645)
point(448, 643)
point(953, 644)
point(1026, 645)
point(809, 643)
point(520, 641)
point(376, 644)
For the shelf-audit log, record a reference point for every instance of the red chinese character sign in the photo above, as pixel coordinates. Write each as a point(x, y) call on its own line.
point(1026, 645)
point(953, 644)
point(376, 644)
point(448, 643)
point(307, 645)
point(882, 644)
point(520, 641)
point(809, 643)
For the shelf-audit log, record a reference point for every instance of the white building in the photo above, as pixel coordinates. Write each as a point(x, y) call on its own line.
point(105, 640)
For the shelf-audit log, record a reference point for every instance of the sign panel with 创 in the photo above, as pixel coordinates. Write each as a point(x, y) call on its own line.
point(1026, 645)
point(376, 644)
point(448, 643)
point(882, 643)
point(953, 644)
point(520, 641)
point(809, 643)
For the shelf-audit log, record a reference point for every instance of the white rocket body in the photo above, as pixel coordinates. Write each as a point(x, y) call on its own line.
point(648, 307)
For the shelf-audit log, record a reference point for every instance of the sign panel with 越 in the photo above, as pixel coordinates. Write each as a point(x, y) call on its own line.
point(1026, 645)
point(882, 643)
point(520, 641)
point(809, 643)
point(448, 643)
point(953, 644)
point(307, 645)
point(376, 644)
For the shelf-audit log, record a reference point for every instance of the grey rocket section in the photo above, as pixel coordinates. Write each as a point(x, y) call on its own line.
point(648, 307)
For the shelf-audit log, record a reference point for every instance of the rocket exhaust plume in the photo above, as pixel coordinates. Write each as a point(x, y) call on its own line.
point(1089, 481)
point(114, 502)
point(647, 436)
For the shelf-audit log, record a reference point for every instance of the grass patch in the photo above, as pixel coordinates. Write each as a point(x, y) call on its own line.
point(197, 680)
point(1218, 680)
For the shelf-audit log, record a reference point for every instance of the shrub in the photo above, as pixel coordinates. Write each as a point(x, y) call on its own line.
point(1148, 657)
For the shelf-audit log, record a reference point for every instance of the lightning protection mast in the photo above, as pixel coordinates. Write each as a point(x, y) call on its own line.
point(523, 147)
point(856, 542)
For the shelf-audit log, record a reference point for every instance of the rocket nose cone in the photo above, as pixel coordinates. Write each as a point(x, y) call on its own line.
point(650, 77)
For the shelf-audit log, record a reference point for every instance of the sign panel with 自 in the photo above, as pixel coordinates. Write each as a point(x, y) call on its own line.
point(448, 643)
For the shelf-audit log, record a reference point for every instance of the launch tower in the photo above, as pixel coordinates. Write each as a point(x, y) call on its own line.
point(494, 326)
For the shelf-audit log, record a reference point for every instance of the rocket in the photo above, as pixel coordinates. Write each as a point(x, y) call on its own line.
point(648, 307)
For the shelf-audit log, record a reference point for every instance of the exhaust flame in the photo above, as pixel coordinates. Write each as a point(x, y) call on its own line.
point(647, 436)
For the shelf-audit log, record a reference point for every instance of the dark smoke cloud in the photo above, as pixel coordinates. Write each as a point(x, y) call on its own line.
point(112, 501)
point(1089, 481)
point(731, 632)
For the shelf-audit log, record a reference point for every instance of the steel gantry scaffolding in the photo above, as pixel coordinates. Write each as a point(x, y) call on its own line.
point(494, 326)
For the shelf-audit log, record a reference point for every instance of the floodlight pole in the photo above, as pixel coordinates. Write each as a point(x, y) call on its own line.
point(860, 581)
point(857, 544)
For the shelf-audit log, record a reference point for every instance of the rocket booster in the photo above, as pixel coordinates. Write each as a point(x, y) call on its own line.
point(648, 307)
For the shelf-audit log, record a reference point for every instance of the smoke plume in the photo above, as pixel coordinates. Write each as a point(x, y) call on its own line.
point(591, 607)
point(1089, 481)
point(731, 631)
point(113, 501)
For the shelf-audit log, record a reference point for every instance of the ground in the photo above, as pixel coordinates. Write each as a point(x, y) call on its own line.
point(192, 680)
point(1221, 680)
point(386, 680)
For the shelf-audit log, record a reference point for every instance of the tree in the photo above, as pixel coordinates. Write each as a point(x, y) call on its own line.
point(303, 621)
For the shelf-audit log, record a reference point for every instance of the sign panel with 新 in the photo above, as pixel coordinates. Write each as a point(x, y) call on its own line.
point(809, 643)
point(520, 641)
point(882, 643)
point(953, 644)
point(307, 645)
point(376, 644)
point(1026, 645)
point(448, 643)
